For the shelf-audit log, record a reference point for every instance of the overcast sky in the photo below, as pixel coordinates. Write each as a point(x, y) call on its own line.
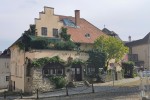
point(125, 17)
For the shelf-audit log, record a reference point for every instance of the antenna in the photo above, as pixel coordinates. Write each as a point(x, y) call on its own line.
point(104, 26)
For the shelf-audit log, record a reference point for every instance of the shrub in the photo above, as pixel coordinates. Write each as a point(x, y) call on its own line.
point(39, 44)
point(67, 45)
point(128, 68)
point(59, 81)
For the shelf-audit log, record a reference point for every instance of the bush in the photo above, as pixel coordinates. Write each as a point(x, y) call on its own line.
point(59, 81)
point(128, 68)
point(67, 45)
point(39, 44)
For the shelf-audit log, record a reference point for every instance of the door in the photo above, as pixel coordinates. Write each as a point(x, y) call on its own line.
point(77, 73)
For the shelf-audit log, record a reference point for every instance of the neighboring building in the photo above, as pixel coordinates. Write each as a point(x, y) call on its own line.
point(4, 70)
point(110, 33)
point(139, 52)
point(49, 26)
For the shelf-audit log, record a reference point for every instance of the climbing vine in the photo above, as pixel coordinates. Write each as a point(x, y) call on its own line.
point(64, 34)
point(42, 61)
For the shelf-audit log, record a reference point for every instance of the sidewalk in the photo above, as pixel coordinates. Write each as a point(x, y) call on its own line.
point(118, 82)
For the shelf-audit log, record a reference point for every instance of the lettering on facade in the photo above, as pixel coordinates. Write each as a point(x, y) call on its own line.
point(74, 54)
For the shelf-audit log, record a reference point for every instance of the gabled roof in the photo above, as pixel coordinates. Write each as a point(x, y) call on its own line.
point(5, 54)
point(110, 33)
point(145, 40)
point(85, 32)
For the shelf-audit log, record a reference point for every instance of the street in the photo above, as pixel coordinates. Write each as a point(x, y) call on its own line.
point(122, 90)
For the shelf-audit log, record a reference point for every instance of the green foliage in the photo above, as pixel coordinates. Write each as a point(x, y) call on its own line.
point(31, 30)
point(114, 48)
point(29, 40)
point(97, 59)
point(42, 61)
point(25, 42)
point(68, 45)
point(39, 44)
point(64, 34)
point(21, 45)
point(59, 45)
point(59, 81)
point(78, 62)
point(128, 68)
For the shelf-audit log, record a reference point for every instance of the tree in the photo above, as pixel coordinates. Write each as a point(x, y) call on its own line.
point(113, 47)
point(97, 59)
point(64, 34)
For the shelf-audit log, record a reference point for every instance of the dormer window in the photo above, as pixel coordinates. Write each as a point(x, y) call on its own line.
point(87, 35)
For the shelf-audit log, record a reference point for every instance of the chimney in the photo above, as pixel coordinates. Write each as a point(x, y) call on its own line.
point(77, 17)
point(129, 38)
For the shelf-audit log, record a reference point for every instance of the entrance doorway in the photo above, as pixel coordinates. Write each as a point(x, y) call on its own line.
point(77, 73)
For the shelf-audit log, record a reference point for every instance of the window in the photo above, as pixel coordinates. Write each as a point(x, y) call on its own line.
point(60, 71)
point(7, 65)
point(45, 71)
point(87, 35)
point(7, 78)
point(53, 71)
point(55, 32)
point(91, 70)
point(44, 31)
point(78, 70)
point(73, 70)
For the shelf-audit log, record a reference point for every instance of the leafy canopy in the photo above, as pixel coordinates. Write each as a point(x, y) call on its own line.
point(113, 47)
point(97, 59)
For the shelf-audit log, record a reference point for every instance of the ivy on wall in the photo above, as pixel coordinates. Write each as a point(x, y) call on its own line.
point(30, 41)
point(64, 35)
point(42, 61)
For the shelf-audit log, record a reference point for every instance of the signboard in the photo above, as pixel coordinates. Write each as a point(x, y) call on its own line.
point(112, 66)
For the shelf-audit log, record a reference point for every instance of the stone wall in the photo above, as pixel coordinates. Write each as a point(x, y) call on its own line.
point(39, 82)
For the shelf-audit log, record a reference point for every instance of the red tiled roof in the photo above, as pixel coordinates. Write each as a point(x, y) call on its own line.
point(78, 34)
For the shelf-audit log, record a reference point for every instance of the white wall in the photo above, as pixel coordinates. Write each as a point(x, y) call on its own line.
point(4, 71)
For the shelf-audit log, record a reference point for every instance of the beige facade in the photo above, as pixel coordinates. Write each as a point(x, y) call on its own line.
point(48, 20)
point(45, 26)
point(18, 66)
point(139, 52)
point(143, 52)
point(4, 71)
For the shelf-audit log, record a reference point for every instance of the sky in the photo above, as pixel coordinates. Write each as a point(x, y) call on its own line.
point(125, 17)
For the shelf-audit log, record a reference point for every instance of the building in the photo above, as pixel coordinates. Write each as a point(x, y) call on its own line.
point(139, 52)
point(4, 70)
point(111, 33)
point(0, 52)
point(48, 27)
